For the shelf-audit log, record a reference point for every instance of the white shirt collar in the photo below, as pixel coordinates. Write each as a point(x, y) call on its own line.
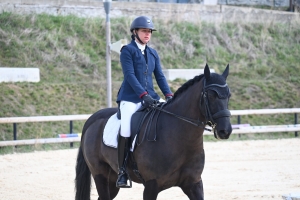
point(141, 47)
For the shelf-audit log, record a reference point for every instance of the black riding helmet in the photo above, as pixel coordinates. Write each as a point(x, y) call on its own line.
point(141, 22)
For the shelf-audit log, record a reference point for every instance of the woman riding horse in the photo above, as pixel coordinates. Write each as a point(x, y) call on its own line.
point(175, 157)
point(138, 62)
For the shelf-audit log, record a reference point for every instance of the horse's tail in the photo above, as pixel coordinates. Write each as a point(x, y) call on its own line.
point(83, 178)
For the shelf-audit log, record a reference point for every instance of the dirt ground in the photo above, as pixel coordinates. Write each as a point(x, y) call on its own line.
point(264, 169)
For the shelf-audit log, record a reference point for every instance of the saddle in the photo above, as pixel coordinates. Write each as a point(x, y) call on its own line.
point(143, 117)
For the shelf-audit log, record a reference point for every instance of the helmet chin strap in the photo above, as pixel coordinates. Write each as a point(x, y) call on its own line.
point(135, 35)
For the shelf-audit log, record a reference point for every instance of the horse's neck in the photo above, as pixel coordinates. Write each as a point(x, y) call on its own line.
point(188, 103)
point(185, 107)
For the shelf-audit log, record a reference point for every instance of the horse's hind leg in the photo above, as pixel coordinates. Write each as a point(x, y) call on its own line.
point(195, 191)
point(106, 185)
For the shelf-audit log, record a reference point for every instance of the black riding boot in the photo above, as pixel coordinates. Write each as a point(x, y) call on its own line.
point(123, 148)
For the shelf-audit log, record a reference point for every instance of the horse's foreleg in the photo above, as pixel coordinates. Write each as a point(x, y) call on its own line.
point(106, 185)
point(101, 183)
point(112, 184)
point(113, 189)
point(195, 191)
point(151, 190)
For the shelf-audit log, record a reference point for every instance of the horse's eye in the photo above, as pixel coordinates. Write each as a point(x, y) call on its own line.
point(212, 94)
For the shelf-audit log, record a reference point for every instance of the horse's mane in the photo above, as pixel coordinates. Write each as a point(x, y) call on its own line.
point(186, 85)
point(214, 78)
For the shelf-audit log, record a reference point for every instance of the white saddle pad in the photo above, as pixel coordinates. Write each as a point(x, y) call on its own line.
point(111, 130)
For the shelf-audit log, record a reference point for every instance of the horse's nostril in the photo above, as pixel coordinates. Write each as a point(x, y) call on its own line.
point(223, 134)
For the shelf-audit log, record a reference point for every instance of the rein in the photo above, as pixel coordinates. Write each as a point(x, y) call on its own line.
point(209, 118)
point(157, 109)
point(191, 121)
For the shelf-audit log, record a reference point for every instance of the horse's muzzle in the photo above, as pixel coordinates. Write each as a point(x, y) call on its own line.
point(222, 134)
point(223, 128)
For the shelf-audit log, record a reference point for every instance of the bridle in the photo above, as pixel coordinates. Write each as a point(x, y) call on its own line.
point(209, 117)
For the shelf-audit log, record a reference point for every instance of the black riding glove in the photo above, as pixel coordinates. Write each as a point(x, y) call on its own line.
point(168, 98)
point(148, 101)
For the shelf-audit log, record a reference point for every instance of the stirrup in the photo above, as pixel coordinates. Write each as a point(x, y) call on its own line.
point(120, 175)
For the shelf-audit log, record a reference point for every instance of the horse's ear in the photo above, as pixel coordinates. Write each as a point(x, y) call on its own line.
point(226, 72)
point(206, 72)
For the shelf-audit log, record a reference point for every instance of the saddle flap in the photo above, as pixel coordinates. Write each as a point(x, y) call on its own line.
point(137, 120)
point(144, 120)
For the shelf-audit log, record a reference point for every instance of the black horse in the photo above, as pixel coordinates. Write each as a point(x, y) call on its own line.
point(175, 158)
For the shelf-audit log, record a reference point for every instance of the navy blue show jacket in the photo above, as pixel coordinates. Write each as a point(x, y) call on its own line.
point(137, 72)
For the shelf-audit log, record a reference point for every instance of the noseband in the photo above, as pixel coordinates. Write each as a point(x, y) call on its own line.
point(210, 118)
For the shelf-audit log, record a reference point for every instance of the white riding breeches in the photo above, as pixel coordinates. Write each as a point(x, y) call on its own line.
point(127, 109)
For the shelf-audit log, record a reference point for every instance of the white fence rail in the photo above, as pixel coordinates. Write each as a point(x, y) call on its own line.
point(265, 111)
point(43, 118)
point(242, 130)
point(39, 141)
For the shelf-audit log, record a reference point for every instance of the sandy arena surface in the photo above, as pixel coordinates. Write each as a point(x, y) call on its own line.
point(264, 169)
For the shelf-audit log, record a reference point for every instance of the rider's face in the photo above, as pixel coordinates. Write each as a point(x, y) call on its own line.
point(144, 35)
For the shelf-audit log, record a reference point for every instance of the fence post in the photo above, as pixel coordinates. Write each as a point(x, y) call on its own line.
point(239, 122)
point(296, 122)
point(71, 131)
point(15, 131)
